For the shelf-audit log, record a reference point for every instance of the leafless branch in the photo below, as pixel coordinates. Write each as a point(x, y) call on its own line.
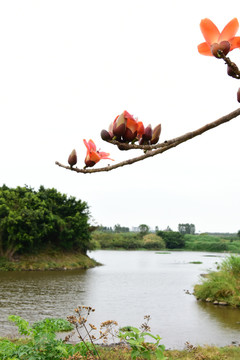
point(156, 149)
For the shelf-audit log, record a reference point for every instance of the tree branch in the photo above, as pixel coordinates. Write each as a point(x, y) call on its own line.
point(158, 148)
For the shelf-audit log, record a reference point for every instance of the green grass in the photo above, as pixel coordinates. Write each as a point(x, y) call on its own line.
point(40, 343)
point(212, 243)
point(48, 260)
point(123, 353)
point(223, 285)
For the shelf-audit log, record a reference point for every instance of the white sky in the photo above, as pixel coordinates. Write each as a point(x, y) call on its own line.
point(68, 68)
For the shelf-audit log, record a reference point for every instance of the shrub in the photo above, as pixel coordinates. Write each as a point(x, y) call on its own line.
point(223, 285)
point(152, 241)
point(172, 239)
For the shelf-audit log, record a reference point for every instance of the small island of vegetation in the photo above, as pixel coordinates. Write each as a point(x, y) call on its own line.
point(221, 287)
point(43, 230)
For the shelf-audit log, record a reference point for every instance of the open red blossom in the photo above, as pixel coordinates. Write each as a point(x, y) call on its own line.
point(93, 155)
point(225, 41)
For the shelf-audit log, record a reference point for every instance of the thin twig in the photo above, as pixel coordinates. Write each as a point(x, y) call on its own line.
point(159, 148)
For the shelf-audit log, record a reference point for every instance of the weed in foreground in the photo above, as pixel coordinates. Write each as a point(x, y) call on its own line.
point(132, 337)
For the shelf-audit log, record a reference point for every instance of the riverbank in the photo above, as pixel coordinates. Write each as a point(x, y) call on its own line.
point(48, 260)
point(121, 352)
point(221, 287)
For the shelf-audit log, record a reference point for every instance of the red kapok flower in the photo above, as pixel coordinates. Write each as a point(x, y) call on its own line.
point(93, 155)
point(225, 41)
point(131, 127)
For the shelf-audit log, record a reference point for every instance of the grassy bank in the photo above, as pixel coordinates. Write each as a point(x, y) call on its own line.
point(22, 349)
point(194, 353)
point(222, 286)
point(48, 260)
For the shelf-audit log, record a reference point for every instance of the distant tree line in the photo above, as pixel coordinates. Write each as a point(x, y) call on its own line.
point(186, 229)
point(33, 220)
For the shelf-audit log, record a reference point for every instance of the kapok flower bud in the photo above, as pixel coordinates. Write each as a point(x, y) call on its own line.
point(105, 135)
point(129, 135)
point(156, 134)
point(143, 142)
point(119, 125)
point(238, 95)
point(147, 133)
point(72, 159)
point(89, 163)
point(224, 46)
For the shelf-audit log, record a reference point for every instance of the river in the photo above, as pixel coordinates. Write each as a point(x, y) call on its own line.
point(128, 286)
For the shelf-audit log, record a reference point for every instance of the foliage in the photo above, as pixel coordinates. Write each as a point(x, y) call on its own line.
point(143, 229)
point(172, 239)
point(186, 228)
point(127, 241)
point(118, 228)
point(231, 265)
point(132, 336)
point(142, 349)
point(53, 325)
point(223, 285)
point(152, 241)
point(32, 220)
point(205, 242)
point(41, 343)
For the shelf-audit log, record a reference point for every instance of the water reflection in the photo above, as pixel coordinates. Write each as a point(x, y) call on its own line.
point(130, 285)
point(227, 317)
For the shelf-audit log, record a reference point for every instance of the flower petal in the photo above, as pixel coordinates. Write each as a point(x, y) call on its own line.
point(104, 155)
point(140, 129)
point(235, 43)
point(230, 30)
point(93, 157)
point(204, 49)
point(92, 145)
point(86, 144)
point(132, 124)
point(209, 31)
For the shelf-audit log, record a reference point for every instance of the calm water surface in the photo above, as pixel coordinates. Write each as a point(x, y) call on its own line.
point(129, 285)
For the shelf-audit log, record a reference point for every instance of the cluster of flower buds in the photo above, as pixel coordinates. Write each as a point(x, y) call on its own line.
point(125, 128)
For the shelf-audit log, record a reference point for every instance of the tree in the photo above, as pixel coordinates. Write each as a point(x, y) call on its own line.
point(172, 239)
point(143, 229)
point(186, 229)
point(118, 228)
point(31, 221)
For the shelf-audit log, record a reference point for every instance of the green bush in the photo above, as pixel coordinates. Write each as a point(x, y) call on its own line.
point(152, 241)
point(172, 239)
point(128, 241)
